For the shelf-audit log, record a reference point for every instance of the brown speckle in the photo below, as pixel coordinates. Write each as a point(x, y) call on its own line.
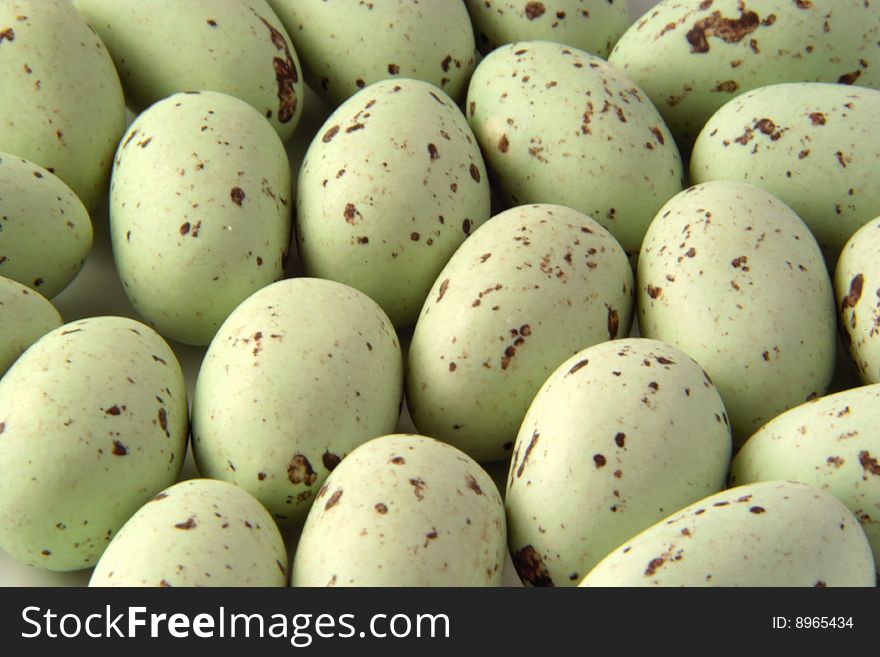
point(443, 287)
point(237, 195)
point(349, 213)
point(757, 509)
point(475, 172)
point(855, 292)
point(869, 464)
point(419, 486)
point(381, 508)
point(841, 159)
point(333, 500)
point(849, 78)
point(466, 226)
point(472, 484)
point(530, 568)
point(578, 365)
point(817, 118)
point(653, 566)
point(8, 34)
point(330, 460)
point(113, 410)
point(503, 144)
point(620, 439)
point(212, 22)
point(119, 449)
point(300, 471)
point(728, 87)
point(613, 323)
point(599, 460)
point(184, 228)
point(189, 523)
point(534, 10)
point(529, 448)
point(163, 421)
point(261, 476)
point(432, 152)
point(654, 292)
point(393, 69)
point(330, 134)
point(398, 460)
point(730, 30)
point(286, 74)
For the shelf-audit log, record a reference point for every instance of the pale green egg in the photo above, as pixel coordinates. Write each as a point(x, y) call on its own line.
point(403, 510)
point(199, 211)
point(528, 289)
point(200, 532)
point(61, 103)
point(94, 422)
point(25, 317)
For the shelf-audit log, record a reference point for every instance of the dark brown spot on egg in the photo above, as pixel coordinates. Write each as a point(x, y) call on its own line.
point(530, 567)
point(300, 471)
point(189, 523)
point(729, 30)
point(534, 10)
point(119, 449)
point(334, 499)
point(237, 195)
point(330, 460)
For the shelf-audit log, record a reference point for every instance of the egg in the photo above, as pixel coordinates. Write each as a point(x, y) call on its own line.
point(346, 46)
point(775, 533)
point(199, 211)
point(25, 317)
point(831, 443)
point(403, 510)
point(62, 104)
point(857, 291)
point(693, 56)
point(390, 186)
point(528, 289)
point(731, 276)
point(591, 25)
point(238, 48)
point(93, 420)
point(300, 374)
point(618, 436)
point(45, 232)
point(200, 532)
point(812, 145)
point(558, 125)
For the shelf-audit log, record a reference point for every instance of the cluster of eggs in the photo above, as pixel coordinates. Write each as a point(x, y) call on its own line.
point(494, 226)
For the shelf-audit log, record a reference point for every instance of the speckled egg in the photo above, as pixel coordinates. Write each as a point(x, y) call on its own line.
point(25, 317)
point(45, 232)
point(302, 372)
point(200, 532)
point(591, 25)
point(345, 46)
point(558, 125)
point(93, 420)
point(857, 291)
point(587, 474)
point(62, 103)
point(832, 443)
point(814, 146)
point(531, 287)
point(730, 275)
point(239, 48)
point(391, 185)
point(403, 510)
point(692, 56)
point(776, 533)
point(199, 211)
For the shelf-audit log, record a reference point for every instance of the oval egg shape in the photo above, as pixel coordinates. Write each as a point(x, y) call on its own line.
point(25, 317)
point(812, 145)
point(732, 277)
point(391, 185)
point(857, 291)
point(94, 423)
point(776, 533)
point(62, 102)
point(531, 287)
point(238, 48)
point(199, 211)
point(693, 56)
point(403, 510)
point(558, 125)
point(344, 49)
point(831, 443)
point(591, 25)
point(200, 532)
point(45, 231)
point(301, 373)
point(587, 474)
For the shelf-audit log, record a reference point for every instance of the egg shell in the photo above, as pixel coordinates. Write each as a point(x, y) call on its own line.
point(345, 46)
point(528, 289)
point(200, 532)
point(558, 125)
point(62, 104)
point(238, 48)
point(25, 317)
point(776, 533)
point(732, 277)
point(812, 145)
point(693, 56)
point(199, 211)
point(302, 372)
point(832, 443)
point(45, 231)
point(591, 25)
point(94, 423)
point(390, 186)
point(587, 474)
point(857, 291)
point(403, 510)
